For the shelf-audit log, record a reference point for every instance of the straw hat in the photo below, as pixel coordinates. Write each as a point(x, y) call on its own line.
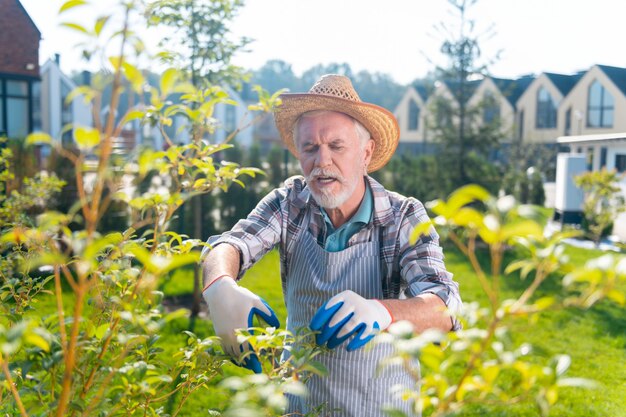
point(335, 93)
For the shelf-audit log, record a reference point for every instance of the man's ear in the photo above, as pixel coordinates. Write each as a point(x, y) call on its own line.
point(368, 152)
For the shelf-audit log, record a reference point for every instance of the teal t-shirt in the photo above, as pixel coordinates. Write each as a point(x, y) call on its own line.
point(337, 240)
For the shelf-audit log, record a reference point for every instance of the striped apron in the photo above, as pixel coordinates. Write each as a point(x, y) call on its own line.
point(352, 387)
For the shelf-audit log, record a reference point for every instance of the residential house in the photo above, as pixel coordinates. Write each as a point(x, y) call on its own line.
point(538, 107)
point(56, 112)
point(411, 114)
point(19, 71)
point(498, 98)
point(592, 106)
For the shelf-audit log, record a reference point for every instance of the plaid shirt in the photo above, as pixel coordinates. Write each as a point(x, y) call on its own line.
point(407, 270)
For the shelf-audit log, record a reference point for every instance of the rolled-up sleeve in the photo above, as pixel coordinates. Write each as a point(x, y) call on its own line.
point(422, 264)
point(255, 235)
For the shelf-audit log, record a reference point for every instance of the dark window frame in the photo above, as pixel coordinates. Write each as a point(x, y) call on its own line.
point(414, 116)
point(620, 162)
point(546, 112)
point(603, 108)
point(4, 96)
point(491, 108)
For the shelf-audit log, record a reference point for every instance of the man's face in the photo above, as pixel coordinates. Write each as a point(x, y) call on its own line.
point(332, 158)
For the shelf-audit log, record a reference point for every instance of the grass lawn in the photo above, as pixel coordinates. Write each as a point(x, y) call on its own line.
point(595, 339)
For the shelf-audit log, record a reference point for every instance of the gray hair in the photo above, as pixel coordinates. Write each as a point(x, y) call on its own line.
point(362, 133)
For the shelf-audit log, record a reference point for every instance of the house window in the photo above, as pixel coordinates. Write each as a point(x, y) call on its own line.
point(600, 106)
point(568, 122)
point(620, 162)
point(491, 108)
point(414, 115)
point(17, 108)
point(36, 106)
point(546, 110)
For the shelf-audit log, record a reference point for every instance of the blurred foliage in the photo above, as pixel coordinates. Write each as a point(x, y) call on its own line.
point(603, 201)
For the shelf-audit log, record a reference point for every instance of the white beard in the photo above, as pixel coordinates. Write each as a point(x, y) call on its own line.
point(328, 199)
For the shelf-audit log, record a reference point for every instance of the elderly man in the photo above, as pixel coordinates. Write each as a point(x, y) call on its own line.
point(348, 269)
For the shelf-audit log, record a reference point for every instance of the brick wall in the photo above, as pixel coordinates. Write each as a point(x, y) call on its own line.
point(19, 40)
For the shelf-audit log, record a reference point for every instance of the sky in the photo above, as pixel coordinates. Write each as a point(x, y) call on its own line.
point(396, 37)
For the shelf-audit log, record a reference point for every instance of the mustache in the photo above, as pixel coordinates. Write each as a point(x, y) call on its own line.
point(324, 172)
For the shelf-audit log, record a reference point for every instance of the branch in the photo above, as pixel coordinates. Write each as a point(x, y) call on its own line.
point(16, 394)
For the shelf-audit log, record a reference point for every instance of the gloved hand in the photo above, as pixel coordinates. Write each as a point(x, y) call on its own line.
point(348, 314)
point(233, 307)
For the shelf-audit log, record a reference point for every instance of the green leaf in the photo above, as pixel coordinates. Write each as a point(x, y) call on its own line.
point(514, 266)
point(466, 195)
point(100, 24)
point(115, 62)
point(134, 76)
point(101, 330)
point(468, 217)
point(83, 90)
point(526, 228)
point(420, 230)
point(86, 137)
point(98, 245)
point(617, 296)
point(71, 4)
point(38, 138)
point(133, 115)
point(35, 339)
point(75, 26)
point(168, 79)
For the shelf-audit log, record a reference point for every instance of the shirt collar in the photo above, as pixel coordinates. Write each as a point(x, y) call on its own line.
point(362, 215)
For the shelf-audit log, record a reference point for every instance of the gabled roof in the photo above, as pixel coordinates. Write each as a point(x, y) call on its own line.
point(472, 85)
point(421, 89)
point(28, 17)
point(513, 89)
point(617, 75)
point(564, 83)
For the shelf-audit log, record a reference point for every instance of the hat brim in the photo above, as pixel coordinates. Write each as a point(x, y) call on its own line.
point(381, 123)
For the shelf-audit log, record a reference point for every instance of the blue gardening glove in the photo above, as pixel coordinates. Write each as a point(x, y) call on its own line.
point(348, 314)
point(233, 307)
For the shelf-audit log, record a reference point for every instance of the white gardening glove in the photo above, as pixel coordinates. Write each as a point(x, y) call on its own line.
point(348, 314)
point(232, 307)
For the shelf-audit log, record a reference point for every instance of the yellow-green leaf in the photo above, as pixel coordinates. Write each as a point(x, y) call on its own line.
point(86, 137)
point(38, 138)
point(168, 79)
point(419, 231)
point(99, 25)
point(466, 195)
point(75, 26)
point(617, 296)
point(134, 115)
point(115, 62)
point(134, 76)
point(101, 331)
point(35, 339)
point(552, 395)
point(526, 228)
point(71, 4)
